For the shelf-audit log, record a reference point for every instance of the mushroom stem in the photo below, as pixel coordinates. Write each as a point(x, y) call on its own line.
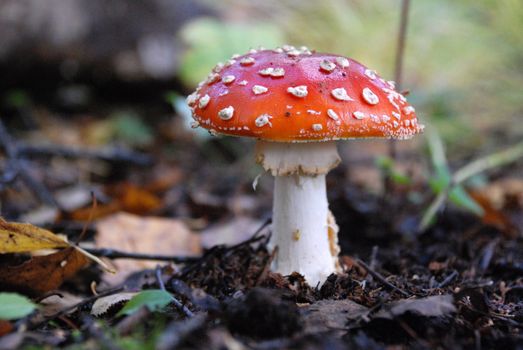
point(303, 228)
point(300, 228)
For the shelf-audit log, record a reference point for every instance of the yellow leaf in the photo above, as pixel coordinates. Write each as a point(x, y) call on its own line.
point(18, 238)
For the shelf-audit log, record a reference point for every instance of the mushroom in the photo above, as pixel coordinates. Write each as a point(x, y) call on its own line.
point(296, 103)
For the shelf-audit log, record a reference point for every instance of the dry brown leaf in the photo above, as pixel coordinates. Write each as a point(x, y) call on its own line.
point(127, 197)
point(100, 211)
point(17, 238)
point(5, 327)
point(165, 177)
point(432, 306)
point(329, 315)
point(495, 216)
point(138, 201)
point(42, 273)
point(55, 303)
point(149, 235)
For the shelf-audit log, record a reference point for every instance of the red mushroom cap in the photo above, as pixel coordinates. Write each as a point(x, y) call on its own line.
point(292, 95)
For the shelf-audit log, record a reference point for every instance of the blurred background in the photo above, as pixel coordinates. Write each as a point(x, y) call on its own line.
point(103, 74)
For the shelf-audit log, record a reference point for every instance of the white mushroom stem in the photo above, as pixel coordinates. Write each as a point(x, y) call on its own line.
point(303, 230)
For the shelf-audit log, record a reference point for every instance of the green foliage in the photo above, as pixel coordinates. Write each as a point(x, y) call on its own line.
point(388, 168)
point(14, 306)
point(129, 127)
point(211, 41)
point(16, 99)
point(445, 184)
point(442, 182)
point(153, 299)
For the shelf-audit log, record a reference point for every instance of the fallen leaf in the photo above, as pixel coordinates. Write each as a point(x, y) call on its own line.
point(504, 192)
point(136, 200)
point(165, 178)
point(17, 238)
point(40, 216)
point(42, 273)
point(55, 303)
point(327, 315)
point(433, 306)
point(5, 327)
point(231, 232)
point(89, 213)
point(147, 235)
point(494, 215)
point(14, 306)
point(102, 305)
point(126, 197)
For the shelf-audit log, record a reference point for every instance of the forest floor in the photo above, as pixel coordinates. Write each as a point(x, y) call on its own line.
point(457, 284)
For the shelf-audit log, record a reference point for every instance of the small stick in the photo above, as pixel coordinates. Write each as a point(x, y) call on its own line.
point(114, 155)
point(400, 50)
point(158, 275)
point(20, 168)
point(380, 278)
point(374, 257)
point(254, 237)
point(118, 254)
point(448, 279)
point(398, 75)
point(176, 302)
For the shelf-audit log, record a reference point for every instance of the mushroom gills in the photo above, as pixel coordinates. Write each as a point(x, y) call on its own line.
point(311, 158)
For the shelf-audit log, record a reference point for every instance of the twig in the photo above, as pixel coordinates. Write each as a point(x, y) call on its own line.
point(112, 155)
point(374, 257)
point(448, 279)
point(198, 298)
point(118, 254)
point(254, 237)
point(19, 168)
point(158, 275)
point(400, 50)
point(176, 302)
point(398, 75)
point(487, 254)
point(381, 279)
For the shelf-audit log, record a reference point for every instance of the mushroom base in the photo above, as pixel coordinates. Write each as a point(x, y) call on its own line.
point(303, 228)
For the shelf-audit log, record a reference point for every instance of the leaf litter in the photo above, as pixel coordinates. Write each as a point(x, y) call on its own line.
point(456, 285)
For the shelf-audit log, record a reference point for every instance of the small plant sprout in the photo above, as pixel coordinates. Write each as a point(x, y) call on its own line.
point(298, 146)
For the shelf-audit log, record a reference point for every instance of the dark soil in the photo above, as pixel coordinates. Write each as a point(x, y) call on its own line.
point(466, 275)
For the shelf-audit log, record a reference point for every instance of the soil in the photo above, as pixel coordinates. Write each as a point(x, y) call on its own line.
point(465, 275)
